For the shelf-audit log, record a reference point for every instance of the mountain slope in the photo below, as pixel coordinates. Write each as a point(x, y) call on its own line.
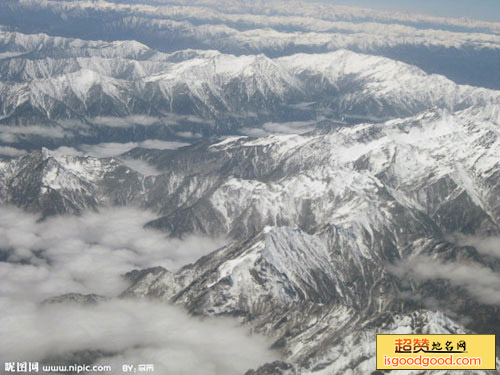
point(334, 232)
point(106, 91)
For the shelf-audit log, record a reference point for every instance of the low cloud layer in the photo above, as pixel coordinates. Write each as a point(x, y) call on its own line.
point(125, 122)
point(135, 332)
point(11, 151)
point(111, 149)
point(13, 134)
point(142, 167)
point(291, 127)
point(100, 150)
point(141, 120)
point(87, 254)
point(481, 283)
point(484, 245)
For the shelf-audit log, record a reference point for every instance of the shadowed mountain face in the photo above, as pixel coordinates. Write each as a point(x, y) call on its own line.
point(348, 158)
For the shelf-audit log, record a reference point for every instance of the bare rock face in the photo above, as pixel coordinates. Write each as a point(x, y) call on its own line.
point(274, 368)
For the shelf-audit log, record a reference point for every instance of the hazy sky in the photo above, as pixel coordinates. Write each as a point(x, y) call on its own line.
point(488, 10)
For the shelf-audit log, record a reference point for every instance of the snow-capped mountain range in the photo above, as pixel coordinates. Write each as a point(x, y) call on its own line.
point(163, 70)
point(350, 157)
point(276, 28)
point(85, 90)
point(320, 222)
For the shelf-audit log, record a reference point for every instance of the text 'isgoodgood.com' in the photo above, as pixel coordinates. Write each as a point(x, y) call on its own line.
point(423, 361)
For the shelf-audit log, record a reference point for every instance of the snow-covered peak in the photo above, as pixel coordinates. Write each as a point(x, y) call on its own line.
point(230, 91)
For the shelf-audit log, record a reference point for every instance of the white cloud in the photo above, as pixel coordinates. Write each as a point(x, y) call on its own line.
point(111, 149)
point(142, 167)
point(484, 245)
point(11, 151)
point(142, 120)
point(68, 151)
point(189, 135)
point(161, 145)
point(125, 122)
point(108, 149)
point(269, 128)
point(11, 134)
point(481, 282)
point(137, 331)
point(88, 253)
